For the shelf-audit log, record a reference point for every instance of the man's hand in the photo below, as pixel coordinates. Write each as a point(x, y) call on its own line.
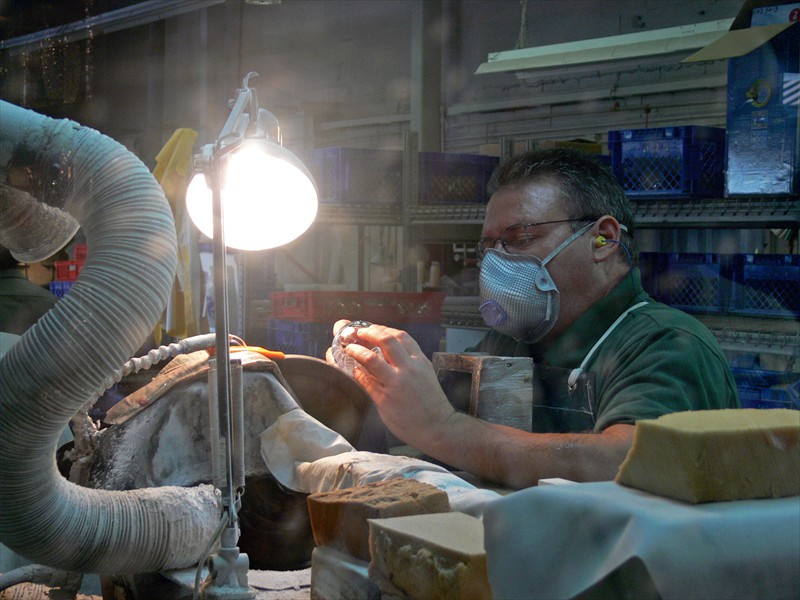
point(402, 382)
point(412, 404)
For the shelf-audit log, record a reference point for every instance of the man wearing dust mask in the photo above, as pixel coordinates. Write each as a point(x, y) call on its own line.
point(559, 282)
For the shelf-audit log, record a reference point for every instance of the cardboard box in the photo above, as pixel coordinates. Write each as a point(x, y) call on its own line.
point(770, 15)
point(763, 116)
point(763, 151)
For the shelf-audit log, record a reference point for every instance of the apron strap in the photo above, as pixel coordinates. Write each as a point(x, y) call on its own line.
point(575, 373)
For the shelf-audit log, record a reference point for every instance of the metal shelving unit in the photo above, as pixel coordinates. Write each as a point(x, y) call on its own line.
point(446, 214)
point(784, 344)
point(780, 343)
point(753, 213)
point(458, 222)
point(361, 214)
point(716, 212)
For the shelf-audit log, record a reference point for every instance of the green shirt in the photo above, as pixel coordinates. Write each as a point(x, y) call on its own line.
point(22, 302)
point(656, 361)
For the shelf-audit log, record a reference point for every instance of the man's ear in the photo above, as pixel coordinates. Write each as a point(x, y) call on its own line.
point(606, 234)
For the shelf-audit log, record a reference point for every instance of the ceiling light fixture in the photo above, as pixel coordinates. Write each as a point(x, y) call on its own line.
point(668, 41)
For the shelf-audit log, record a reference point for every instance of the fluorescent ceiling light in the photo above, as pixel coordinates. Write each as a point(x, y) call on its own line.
point(631, 45)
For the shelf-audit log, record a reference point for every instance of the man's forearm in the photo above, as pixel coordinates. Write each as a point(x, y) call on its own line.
point(518, 459)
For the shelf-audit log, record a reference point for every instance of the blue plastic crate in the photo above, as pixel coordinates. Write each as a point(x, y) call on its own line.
point(650, 263)
point(693, 282)
point(763, 378)
point(356, 175)
point(766, 285)
point(750, 397)
point(294, 337)
point(60, 288)
point(767, 389)
point(683, 162)
point(455, 178)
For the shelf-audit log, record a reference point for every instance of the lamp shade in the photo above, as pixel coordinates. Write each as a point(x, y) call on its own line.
point(268, 197)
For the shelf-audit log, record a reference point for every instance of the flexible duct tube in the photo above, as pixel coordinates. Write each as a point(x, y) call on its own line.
point(60, 363)
point(203, 341)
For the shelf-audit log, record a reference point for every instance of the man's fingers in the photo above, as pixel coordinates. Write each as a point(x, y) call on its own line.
point(339, 324)
point(396, 344)
point(371, 361)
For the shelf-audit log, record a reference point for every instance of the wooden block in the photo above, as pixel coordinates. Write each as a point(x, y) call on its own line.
point(497, 389)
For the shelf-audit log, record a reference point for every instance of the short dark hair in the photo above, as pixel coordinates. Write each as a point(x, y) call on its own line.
point(588, 188)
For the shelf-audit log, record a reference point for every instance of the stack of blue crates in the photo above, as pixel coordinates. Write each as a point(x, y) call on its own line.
point(375, 176)
point(765, 285)
point(356, 175)
point(767, 389)
point(455, 178)
point(674, 162)
point(758, 285)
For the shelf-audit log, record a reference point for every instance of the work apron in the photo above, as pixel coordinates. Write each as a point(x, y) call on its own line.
point(564, 399)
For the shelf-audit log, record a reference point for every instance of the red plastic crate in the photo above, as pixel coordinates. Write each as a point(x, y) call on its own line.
point(377, 307)
point(79, 252)
point(68, 270)
point(314, 339)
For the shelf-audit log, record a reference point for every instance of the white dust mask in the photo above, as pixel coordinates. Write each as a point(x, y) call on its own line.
point(518, 297)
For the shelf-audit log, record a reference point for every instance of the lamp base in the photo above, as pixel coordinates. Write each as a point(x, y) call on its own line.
point(227, 571)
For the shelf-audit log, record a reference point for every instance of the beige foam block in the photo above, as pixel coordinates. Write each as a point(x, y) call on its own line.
point(430, 556)
point(716, 455)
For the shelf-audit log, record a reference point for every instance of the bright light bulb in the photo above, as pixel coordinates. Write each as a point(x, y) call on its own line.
point(268, 199)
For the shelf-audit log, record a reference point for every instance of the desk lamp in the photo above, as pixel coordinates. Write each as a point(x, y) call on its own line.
point(248, 193)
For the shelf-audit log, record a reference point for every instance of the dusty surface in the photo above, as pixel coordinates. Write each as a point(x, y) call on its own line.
point(32, 591)
point(281, 585)
point(268, 585)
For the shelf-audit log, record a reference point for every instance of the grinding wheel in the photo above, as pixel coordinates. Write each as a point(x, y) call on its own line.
point(335, 399)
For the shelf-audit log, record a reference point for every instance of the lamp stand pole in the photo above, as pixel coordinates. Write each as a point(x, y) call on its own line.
point(228, 568)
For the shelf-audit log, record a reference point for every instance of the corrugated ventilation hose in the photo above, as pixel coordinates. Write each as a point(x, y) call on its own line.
point(62, 362)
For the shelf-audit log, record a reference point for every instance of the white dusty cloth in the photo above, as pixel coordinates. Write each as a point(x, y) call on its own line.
point(556, 541)
point(306, 456)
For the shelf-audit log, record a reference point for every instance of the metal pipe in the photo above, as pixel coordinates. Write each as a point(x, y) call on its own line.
point(108, 22)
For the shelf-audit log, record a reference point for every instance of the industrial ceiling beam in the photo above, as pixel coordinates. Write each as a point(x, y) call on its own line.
point(108, 22)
